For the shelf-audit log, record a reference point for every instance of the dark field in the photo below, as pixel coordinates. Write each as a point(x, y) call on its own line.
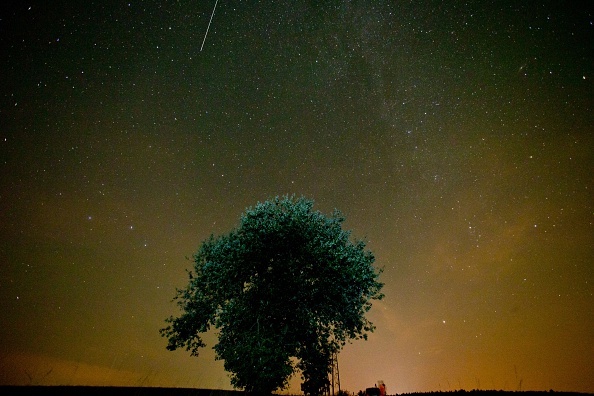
point(148, 391)
point(109, 391)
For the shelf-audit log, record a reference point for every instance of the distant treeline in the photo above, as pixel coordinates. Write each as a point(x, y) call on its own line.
point(477, 392)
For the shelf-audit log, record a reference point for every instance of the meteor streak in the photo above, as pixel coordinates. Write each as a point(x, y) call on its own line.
point(208, 27)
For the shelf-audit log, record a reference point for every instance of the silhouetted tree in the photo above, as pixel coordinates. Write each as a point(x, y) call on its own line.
point(287, 283)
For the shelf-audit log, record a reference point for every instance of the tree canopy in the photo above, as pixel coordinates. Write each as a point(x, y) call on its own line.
point(285, 290)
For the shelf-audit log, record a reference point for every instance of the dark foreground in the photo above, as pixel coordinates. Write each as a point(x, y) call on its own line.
point(148, 391)
point(110, 391)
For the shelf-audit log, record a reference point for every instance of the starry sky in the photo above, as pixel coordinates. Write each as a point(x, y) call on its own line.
point(456, 137)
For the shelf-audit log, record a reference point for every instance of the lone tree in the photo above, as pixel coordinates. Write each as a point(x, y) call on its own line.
point(285, 290)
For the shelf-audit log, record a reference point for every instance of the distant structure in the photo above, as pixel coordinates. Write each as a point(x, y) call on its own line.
point(372, 391)
point(378, 390)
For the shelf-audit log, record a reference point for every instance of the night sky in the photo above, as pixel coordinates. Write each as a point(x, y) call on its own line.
point(456, 137)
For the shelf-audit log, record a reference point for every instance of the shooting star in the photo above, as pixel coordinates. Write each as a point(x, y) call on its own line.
point(208, 27)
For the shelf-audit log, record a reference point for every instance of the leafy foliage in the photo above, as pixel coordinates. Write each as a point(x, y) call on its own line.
point(287, 283)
